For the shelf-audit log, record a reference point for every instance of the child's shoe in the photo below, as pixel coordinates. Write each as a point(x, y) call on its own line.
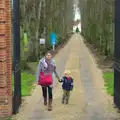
point(67, 102)
point(63, 102)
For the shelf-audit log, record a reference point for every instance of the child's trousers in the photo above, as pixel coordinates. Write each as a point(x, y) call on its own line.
point(66, 96)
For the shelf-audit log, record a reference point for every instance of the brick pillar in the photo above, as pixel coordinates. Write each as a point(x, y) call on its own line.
point(5, 59)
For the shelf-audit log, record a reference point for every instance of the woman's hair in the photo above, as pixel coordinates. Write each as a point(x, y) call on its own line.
point(67, 72)
point(48, 52)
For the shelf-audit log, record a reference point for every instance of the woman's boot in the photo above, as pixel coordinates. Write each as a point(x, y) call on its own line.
point(45, 101)
point(50, 105)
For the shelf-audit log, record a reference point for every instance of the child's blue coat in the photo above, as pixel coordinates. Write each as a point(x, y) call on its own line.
point(67, 84)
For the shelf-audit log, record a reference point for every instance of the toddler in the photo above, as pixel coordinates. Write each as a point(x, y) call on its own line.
point(67, 86)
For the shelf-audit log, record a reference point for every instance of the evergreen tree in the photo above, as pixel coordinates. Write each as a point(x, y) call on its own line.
point(77, 30)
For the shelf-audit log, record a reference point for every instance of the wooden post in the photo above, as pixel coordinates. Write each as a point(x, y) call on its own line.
point(5, 59)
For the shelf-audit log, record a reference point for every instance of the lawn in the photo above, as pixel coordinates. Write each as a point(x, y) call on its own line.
point(9, 118)
point(109, 82)
point(27, 83)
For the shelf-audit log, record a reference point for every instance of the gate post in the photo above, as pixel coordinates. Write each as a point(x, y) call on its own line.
point(17, 71)
point(5, 59)
point(117, 55)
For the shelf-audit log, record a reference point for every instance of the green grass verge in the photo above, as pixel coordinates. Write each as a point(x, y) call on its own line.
point(27, 83)
point(109, 82)
point(9, 118)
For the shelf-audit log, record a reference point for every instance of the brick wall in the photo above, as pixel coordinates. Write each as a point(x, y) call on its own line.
point(5, 59)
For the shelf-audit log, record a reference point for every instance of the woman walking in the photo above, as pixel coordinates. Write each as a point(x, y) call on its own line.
point(45, 70)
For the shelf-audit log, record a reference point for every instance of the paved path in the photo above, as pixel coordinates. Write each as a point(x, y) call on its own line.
point(89, 100)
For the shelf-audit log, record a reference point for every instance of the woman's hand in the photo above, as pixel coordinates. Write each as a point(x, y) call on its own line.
point(59, 80)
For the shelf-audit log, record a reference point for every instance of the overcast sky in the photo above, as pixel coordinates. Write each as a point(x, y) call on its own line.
point(77, 15)
point(77, 11)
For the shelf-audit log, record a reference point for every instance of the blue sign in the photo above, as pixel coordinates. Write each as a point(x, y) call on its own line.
point(53, 38)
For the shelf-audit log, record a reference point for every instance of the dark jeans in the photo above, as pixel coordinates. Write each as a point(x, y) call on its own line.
point(44, 91)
